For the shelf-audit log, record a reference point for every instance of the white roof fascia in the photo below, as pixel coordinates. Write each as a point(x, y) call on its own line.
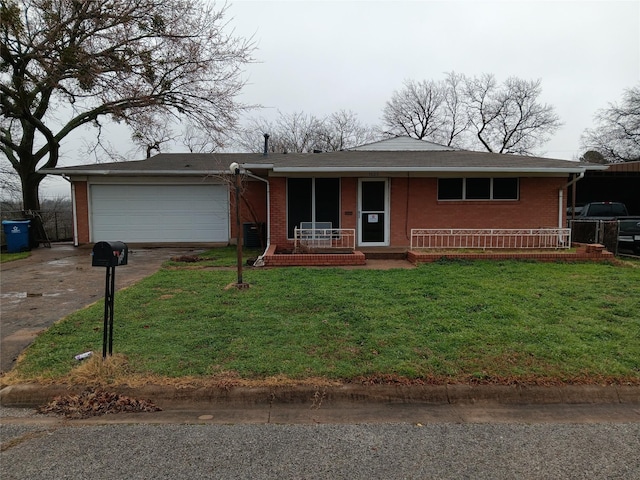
point(427, 169)
point(257, 166)
point(134, 173)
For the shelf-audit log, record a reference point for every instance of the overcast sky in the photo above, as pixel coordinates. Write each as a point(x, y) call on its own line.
point(323, 56)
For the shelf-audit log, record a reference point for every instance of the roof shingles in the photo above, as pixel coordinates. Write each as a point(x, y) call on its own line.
point(343, 161)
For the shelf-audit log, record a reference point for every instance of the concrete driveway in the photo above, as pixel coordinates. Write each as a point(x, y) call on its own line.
point(53, 282)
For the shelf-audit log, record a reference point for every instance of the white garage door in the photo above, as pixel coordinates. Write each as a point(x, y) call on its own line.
point(159, 213)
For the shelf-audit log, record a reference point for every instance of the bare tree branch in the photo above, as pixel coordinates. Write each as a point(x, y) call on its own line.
point(416, 110)
point(125, 60)
point(617, 132)
point(473, 112)
point(299, 132)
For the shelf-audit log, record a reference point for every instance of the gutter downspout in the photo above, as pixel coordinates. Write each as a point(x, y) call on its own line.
point(561, 197)
point(259, 261)
point(74, 210)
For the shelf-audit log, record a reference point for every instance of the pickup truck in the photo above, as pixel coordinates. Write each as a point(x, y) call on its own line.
point(603, 211)
point(628, 227)
point(629, 234)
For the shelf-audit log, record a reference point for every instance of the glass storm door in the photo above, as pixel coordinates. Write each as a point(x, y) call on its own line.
point(373, 221)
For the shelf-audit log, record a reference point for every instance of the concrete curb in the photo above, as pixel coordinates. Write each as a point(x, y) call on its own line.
point(33, 395)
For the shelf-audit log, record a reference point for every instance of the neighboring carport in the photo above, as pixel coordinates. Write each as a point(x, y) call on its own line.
point(620, 182)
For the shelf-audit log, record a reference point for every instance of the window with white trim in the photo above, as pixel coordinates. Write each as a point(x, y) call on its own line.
point(478, 188)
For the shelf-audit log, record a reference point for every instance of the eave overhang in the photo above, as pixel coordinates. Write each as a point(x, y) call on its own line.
point(132, 173)
point(432, 170)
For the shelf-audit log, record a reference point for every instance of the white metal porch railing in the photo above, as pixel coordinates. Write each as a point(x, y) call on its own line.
point(491, 238)
point(325, 238)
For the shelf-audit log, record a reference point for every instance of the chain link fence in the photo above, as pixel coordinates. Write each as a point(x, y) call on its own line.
point(604, 232)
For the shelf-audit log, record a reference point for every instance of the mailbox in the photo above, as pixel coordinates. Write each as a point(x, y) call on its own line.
point(109, 254)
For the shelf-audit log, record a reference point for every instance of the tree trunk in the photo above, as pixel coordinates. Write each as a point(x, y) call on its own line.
point(30, 185)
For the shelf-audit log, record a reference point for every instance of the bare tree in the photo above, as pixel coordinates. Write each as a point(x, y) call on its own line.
point(473, 112)
point(456, 123)
point(9, 182)
point(149, 134)
point(617, 133)
point(342, 130)
point(295, 132)
point(299, 132)
point(416, 110)
point(199, 141)
point(509, 118)
point(69, 63)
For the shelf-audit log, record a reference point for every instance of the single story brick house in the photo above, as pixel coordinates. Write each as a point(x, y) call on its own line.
point(379, 192)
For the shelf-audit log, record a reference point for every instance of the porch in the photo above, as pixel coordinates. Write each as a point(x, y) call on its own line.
point(335, 247)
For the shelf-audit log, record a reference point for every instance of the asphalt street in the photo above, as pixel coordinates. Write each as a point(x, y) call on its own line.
point(367, 451)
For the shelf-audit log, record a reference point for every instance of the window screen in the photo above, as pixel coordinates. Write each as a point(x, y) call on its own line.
point(327, 201)
point(299, 205)
point(505, 188)
point(450, 188)
point(312, 200)
point(478, 188)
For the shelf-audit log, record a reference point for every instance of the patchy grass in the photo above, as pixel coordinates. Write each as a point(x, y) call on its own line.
point(217, 257)
point(10, 257)
point(451, 321)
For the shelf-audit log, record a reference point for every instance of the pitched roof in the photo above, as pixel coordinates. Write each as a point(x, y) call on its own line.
point(430, 161)
point(402, 143)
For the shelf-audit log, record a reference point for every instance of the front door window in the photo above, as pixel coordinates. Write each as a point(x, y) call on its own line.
point(373, 221)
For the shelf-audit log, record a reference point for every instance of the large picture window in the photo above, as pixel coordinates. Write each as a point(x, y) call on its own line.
point(312, 200)
point(480, 188)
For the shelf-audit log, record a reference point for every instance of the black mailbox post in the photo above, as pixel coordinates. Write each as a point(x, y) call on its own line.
point(109, 255)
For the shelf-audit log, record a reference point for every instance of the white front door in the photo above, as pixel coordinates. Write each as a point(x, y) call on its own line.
point(373, 212)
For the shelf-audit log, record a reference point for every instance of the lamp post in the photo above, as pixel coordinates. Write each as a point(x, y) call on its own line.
point(234, 168)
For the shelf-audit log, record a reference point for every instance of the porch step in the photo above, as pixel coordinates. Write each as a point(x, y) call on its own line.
point(384, 254)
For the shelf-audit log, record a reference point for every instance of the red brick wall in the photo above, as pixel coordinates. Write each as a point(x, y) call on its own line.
point(414, 204)
point(82, 211)
point(537, 207)
point(278, 196)
point(253, 207)
point(349, 203)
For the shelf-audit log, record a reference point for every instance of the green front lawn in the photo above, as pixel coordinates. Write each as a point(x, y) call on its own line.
point(10, 257)
point(453, 321)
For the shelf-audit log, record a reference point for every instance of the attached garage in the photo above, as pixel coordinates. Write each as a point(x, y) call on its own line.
point(135, 213)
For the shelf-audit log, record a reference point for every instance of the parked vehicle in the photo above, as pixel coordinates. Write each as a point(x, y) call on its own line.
point(603, 211)
point(628, 227)
point(629, 234)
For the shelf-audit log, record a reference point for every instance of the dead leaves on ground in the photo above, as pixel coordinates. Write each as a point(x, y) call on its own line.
point(91, 403)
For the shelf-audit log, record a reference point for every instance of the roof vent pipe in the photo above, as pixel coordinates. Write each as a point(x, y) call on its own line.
point(266, 145)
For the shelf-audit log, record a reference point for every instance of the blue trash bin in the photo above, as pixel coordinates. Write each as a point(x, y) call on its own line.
point(17, 234)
